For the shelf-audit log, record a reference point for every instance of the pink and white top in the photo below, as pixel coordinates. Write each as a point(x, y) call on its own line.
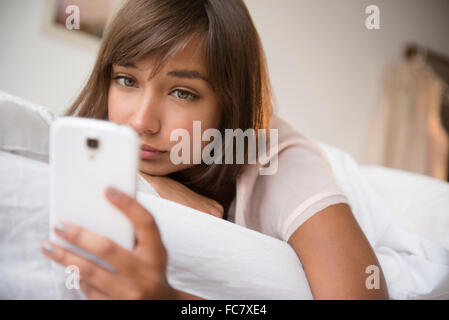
point(303, 185)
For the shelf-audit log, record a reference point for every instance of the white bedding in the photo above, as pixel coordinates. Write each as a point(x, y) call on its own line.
point(420, 203)
point(208, 256)
point(415, 261)
point(215, 258)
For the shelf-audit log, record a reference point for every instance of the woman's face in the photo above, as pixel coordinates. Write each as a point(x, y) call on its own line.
point(176, 96)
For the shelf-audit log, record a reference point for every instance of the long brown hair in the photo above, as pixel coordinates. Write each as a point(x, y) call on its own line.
point(235, 62)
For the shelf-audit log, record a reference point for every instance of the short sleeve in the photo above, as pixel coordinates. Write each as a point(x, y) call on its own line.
point(303, 185)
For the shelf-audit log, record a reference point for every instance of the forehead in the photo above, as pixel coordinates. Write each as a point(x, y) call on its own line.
point(190, 56)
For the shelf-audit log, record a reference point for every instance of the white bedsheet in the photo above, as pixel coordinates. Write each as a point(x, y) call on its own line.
point(209, 256)
point(415, 263)
point(420, 203)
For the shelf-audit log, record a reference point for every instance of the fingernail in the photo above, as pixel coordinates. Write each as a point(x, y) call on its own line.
point(112, 192)
point(62, 227)
point(48, 247)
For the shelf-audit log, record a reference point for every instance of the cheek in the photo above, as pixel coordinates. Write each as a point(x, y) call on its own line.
point(214, 114)
point(116, 112)
point(212, 117)
point(209, 115)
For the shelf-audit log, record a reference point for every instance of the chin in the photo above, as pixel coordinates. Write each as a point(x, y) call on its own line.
point(160, 168)
point(155, 168)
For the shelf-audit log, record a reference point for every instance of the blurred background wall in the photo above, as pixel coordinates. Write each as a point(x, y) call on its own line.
point(325, 65)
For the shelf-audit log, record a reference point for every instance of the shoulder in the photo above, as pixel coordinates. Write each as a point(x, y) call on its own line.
point(302, 185)
point(299, 158)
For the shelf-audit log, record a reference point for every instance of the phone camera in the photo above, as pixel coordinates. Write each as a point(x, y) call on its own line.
point(92, 143)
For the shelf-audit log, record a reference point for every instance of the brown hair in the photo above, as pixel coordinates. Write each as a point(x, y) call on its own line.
point(235, 62)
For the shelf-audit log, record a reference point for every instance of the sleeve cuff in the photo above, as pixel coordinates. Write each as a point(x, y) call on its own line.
point(307, 209)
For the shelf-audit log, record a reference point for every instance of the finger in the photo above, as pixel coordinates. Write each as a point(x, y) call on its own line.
point(146, 228)
point(95, 275)
point(118, 257)
point(91, 292)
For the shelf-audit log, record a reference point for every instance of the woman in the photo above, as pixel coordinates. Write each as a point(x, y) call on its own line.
point(164, 64)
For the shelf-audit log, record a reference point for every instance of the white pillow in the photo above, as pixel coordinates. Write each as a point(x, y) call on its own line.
point(210, 257)
point(24, 127)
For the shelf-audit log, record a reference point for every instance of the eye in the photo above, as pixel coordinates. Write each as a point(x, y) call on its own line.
point(185, 95)
point(125, 81)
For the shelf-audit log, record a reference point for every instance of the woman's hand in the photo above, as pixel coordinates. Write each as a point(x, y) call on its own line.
point(174, 191)
point(140, 274)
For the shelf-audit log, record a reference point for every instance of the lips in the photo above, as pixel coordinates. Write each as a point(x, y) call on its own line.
point(149, 148)
point(147, 152)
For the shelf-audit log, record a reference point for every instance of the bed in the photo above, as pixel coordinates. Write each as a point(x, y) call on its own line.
point(405, 217)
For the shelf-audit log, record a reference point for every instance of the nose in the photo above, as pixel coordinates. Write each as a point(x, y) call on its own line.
point(145, 119)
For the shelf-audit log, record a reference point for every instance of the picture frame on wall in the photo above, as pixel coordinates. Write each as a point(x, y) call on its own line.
point(81, 22)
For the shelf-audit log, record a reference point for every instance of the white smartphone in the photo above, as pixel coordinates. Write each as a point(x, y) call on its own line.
point(86, 156)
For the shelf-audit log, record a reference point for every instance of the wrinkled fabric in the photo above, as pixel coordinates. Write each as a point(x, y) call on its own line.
point(415, 266)
point(24, 127)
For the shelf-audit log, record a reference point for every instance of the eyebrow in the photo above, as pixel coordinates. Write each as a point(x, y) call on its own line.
point(187, 74)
